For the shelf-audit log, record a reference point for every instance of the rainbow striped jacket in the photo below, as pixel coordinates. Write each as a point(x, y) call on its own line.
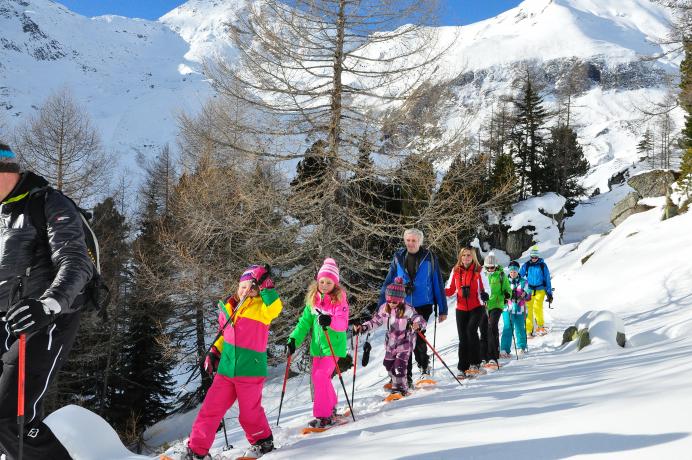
point(243, 344)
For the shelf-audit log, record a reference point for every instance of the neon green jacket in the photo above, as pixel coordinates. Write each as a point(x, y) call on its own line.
point(499, 284)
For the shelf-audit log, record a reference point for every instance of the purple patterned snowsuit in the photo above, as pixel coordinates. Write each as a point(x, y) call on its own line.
point(398, 342)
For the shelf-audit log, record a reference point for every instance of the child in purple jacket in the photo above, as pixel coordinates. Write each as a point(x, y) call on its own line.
point(402, 324)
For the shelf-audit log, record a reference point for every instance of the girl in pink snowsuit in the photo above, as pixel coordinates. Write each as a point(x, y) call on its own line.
point(402, 324)
point(240, 358)
point(326, 312)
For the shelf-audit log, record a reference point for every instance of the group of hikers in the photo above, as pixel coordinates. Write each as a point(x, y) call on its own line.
point(412, 291)
point(46, 268)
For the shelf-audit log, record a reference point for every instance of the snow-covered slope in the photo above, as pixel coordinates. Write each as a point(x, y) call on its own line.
point(130, 74)
point(597, 403)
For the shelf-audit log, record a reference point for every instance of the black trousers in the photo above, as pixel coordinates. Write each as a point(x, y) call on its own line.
point(493, 347)
point(46, 352)
point(483, 329)
point(469, 343)
point(420, 348)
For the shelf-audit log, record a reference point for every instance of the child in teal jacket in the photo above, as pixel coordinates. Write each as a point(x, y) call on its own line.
point(514, 315)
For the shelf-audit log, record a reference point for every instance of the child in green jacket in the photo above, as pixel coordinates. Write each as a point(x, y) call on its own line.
point(326, 315)
point(500, 291)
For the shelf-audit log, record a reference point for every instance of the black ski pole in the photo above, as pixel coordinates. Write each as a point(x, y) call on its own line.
point(283, 391)
point(338, 371)
point(440, 358)
point(355, 366)
point(225, 435)
point(432, 368)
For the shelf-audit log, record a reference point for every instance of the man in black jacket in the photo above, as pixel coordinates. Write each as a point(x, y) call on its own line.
point(42, 272)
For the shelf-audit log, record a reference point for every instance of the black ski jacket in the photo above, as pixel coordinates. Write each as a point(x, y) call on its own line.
point(38, 263)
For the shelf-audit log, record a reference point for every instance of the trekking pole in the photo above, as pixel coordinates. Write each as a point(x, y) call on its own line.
point(432, 368)
point(20, 393)
point(283, 391)
point(225, 435)
point(514, 339)
point(355, 367)
point(336, 363)
point(439, 357)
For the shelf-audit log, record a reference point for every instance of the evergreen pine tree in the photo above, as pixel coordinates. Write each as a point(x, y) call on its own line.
point(527, 139)
point(142, 387)
point(307, 188)
point(503, 175)
point(645, 146)
point(84, 379)
point(685, 179)
point(414, 182)
point(464, 185)
point(565, 165)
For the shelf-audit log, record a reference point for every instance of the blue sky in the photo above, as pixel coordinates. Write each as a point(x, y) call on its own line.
point(455, 11)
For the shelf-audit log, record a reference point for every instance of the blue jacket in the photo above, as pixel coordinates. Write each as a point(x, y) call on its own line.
point(428, 287)
point(537, 275)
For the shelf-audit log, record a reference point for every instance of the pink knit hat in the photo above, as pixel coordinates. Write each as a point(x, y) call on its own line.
point(329, 270)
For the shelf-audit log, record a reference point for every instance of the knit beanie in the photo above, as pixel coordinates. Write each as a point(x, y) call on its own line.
point(8, 160)
point(514, 266)
point(490, 260)
point(329, 270)
point(395, 292)
point(247, 274)
point(534, 252)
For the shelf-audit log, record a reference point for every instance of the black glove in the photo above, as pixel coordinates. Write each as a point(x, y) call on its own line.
point(211, 361)
point(515, 296)
point(365, 359)
point(550, 298)
point(508, 295)
point(28, 315)
point(324, 320)
point(291, 346)
point(484, 296)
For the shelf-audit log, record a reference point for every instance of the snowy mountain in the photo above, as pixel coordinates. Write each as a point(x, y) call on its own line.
point(134, 76)
point(130, 74)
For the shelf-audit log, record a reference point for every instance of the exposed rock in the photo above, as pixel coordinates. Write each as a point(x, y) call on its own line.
point(600, 328)
point(626, 207)
point(652, 183)
point(569, 334)
point(583, 339)
point(618, 178)
point(517, 242)
point(586, 257)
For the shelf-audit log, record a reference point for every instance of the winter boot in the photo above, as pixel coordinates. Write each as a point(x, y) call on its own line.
point(321, 422)
point(190, 455)
point(505, 355)
point(461, 375)
point(474, 370)
point(388, 386)
point(260, 448)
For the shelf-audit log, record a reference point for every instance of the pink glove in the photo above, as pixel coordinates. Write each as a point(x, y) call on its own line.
point(211, 361)
point(260, 274)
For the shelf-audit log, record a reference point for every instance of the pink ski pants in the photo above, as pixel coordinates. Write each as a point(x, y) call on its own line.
point(221, 395)
point(325, 396)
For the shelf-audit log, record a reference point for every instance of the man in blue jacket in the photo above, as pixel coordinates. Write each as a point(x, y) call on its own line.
point(420, 271)
point(537, 276)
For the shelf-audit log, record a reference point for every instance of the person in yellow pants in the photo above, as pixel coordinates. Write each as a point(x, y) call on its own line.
point(537, 275)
